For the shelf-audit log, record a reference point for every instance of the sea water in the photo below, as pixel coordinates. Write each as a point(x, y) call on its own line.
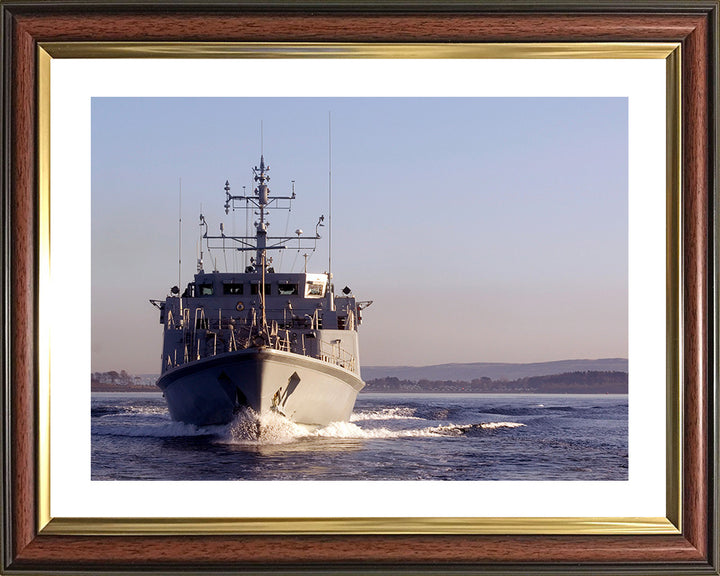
point(389, 437)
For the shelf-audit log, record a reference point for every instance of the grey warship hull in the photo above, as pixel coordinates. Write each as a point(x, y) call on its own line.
point(258, 338)
point(306, 390)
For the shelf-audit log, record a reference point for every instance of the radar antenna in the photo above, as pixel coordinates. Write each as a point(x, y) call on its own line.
point(262, 201)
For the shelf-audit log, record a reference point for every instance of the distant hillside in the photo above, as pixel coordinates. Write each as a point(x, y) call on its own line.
point(493, 370)
point(567, 383)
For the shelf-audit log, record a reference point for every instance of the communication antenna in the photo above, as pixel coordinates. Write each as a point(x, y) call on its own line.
point(329, 197)
point(247, 227)
point(179, 232)
point(234, 229)
point(200, 239)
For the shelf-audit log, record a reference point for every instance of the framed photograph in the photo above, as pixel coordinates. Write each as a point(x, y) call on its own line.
point(573, 142)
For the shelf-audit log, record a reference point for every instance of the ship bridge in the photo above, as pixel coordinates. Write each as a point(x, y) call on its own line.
point(247, 285)
point(223, 312)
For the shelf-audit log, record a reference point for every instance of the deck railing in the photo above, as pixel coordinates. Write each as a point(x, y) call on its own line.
point(207, 337)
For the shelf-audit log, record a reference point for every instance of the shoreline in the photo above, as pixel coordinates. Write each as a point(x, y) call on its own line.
point(123, 388)
point(155, 390)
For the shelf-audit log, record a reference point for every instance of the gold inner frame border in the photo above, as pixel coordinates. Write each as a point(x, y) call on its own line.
point(671, 524)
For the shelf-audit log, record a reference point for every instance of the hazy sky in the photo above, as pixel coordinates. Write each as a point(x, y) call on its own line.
point(484, 229)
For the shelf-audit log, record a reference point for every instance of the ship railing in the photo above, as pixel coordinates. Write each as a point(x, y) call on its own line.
point(207, 337)
point(346, 322)
point(203, 322)
point(198, 348)
point(173, 323)
point(281, 342)
point(333, 353)
point(212, 339)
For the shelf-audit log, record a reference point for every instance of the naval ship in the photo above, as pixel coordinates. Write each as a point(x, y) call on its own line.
point(260, 339)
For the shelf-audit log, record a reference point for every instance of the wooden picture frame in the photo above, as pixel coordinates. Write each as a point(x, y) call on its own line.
point(31, 544)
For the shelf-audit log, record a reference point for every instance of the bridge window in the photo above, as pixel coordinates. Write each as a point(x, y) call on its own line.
point(314, 290)
point(255, 288)
point(232, 288)
point(206, 289)
point(286, 289)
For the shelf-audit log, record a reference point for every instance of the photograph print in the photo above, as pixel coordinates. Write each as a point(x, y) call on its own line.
point(359, 288)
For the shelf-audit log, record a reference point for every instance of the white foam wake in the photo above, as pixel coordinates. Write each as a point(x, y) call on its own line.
point(147, 410)
point(385, 414)
point(273, 428)
point(491, 425)
point(351, 430)
point(249, 427)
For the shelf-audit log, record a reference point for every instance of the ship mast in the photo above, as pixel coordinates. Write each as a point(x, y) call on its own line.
point(262, 192)
point(261, 242)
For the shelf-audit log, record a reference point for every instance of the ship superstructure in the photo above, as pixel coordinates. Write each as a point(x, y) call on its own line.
point(260, 339)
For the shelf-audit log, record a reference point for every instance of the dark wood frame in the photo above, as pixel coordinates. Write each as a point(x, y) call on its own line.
point(692, 23)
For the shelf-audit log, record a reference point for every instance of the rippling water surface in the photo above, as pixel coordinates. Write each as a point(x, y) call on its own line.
point(389, 437)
